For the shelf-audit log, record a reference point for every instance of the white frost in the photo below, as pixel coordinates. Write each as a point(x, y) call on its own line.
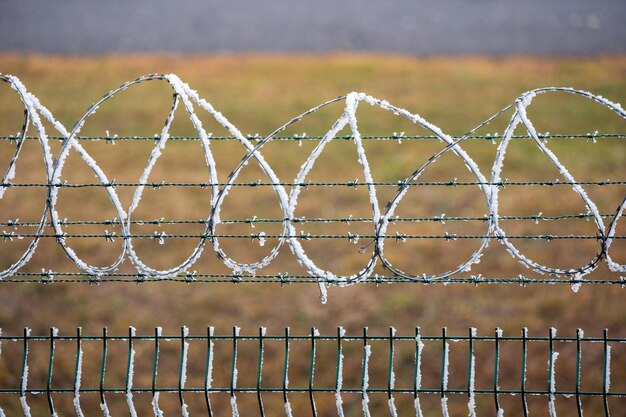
point(418, 375)
point(471, 404)
point(446, 362)
point(155, 405)
point(24, 383)
point(131, 371)
point(233, 397)
point(366, 378)
point(607, 377)
point(105, 409)
point(39, 114)
point(551, 370)
point(79, 375)
point(338, 399)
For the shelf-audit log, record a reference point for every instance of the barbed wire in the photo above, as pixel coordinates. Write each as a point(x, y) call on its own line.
point(296, 137)
point(352, 184)
point(35, 114)
point(439, 219)
point(51, 277)
point(221, 356)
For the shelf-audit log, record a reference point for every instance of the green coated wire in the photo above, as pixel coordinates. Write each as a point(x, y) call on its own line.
point(286, 367)
point(182, 366)
point(496, 368)
point(605, 373)
point(49, 378)
point(23, 380)
point(208, 369)
point(364, 364)
point(442, 384)
point(311, 373)
point(551, 358)
point(338, 367)
point(390, 373)
point(331, 337)
point(578, 370)
point(129, 362)
point(470, 368)
point(155, 361)
point(259, 372)
point(103, 365)
point(56, 342)
point(329, 389)
point(418, 357)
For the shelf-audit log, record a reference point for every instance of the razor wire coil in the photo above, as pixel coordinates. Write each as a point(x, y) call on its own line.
point(35, 113)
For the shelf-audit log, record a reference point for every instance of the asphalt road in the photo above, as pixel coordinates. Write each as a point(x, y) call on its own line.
point(423, 27)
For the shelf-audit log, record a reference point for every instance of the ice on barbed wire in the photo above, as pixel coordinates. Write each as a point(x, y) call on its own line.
point(189, 97)
point(262, 239)
point(576, 285)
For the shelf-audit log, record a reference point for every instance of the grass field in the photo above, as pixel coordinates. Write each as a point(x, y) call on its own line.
point(260, 93)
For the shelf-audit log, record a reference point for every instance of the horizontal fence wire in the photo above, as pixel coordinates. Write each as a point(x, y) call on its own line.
point(491, 185)
point(51, 277)
point(418, 366)
point(257, 137)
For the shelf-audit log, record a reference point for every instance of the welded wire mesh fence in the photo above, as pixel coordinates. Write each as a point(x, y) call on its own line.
point(313, 374)
point(379, 235)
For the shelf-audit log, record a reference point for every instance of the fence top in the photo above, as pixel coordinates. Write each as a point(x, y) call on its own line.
point(490, 186)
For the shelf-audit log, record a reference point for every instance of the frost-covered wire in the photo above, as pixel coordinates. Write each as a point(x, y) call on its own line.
point(184, 96)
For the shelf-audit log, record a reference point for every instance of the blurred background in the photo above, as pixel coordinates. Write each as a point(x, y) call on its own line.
point(427, 27)
point(455, 63)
